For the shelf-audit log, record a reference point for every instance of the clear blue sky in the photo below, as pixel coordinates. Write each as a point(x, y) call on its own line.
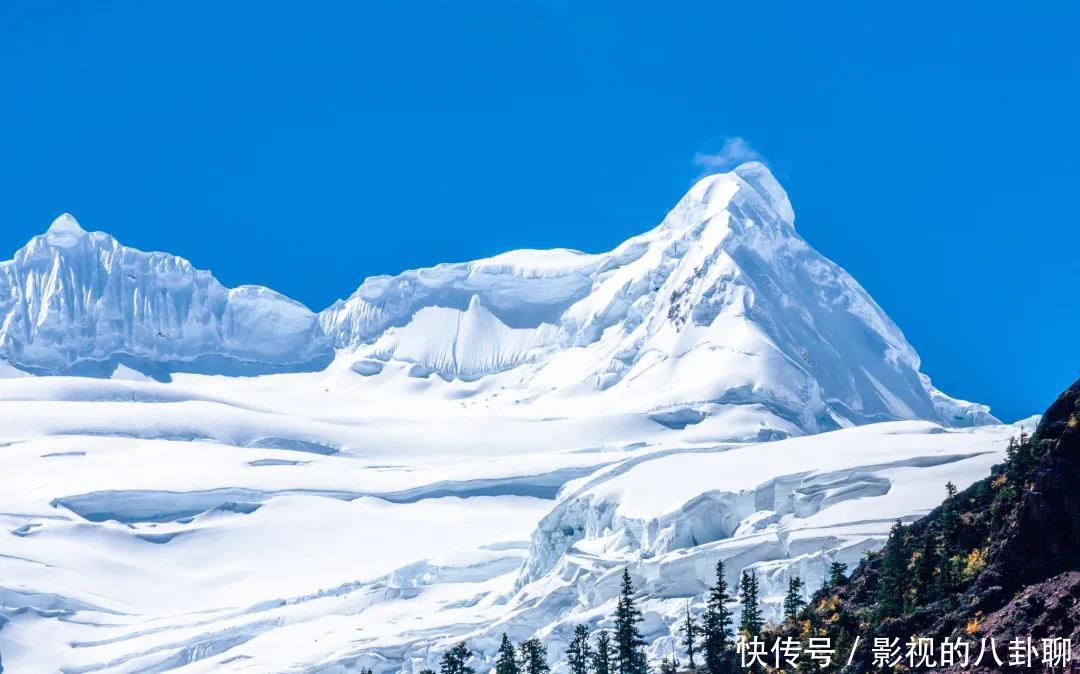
point(931, 149)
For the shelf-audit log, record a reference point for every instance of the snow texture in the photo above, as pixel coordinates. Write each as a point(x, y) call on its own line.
point(78, 302)
point(722, 303)
point(449, 453)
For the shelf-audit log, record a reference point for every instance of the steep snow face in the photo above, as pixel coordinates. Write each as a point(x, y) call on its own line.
point(523, 289)
point(465, 344)
point(723, 303)
point(797, 495)
point(79, 302)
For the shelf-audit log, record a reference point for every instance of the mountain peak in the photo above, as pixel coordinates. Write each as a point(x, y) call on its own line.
point(66, 222)
point(148, 311)
point(65, 230)
point(758, 176)
point(749, 191)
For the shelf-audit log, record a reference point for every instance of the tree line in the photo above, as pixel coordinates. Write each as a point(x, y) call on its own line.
point(708, 640)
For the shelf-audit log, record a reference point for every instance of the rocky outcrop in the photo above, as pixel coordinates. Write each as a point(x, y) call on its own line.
point(1020, 531)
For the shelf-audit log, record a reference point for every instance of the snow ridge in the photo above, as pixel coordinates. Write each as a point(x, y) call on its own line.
point(78, 302)
point(722, 304)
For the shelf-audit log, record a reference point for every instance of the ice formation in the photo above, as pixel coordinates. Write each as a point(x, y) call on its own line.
point(449, 453)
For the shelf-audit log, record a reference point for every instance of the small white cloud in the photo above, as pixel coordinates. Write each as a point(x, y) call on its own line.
point(734, 151)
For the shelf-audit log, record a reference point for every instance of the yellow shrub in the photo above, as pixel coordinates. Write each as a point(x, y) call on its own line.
point(974, 624)
point(974, 563)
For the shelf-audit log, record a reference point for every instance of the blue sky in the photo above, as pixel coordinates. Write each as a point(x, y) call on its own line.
point(931, 149)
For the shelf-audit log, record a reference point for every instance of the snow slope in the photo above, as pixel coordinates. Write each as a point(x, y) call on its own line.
point(723, 303)
point(217, 524)
point(449, 453)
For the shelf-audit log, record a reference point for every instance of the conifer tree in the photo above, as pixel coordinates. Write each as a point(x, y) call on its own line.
point(750, 621)
point(924, 571)
point(604, 655)
point(950, 569)
point(629, 643)
point(690, 631)
point(455, 660)
point(892, 575)
point(1020, 460)
point(836, 577)
point(716, 625)
point(793, 602)
point(534, 657)
point(579, 653)
point(668, 666)
point(506, 662)
point(950, 519)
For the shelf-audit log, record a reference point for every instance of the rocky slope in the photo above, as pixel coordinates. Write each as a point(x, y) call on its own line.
point(1014, 572)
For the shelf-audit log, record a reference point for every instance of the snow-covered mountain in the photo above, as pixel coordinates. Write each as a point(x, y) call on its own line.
point(721, 307)
point(450, 453)
point(78, 302)
point(722, 304)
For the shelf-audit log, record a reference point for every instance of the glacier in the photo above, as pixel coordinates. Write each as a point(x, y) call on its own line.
point(75, 302)
point(204, 479)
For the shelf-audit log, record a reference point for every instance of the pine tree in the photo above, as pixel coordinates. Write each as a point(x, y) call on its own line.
point(603, 656)
point(629, 643)
point(579, 653)
point(533, 657)
point(668, 666)
point(506, 662)
point(750, 621)
point(427, 671)
point(836, 577)
point(690, 636)
point(793, 602)
point(950, 519)
point(455, 660)
point(924, 571)
point(1020, 460)
point(892, 574)
point(716, 625)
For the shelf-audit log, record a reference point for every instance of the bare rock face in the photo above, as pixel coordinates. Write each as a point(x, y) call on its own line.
point(1031, 587)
